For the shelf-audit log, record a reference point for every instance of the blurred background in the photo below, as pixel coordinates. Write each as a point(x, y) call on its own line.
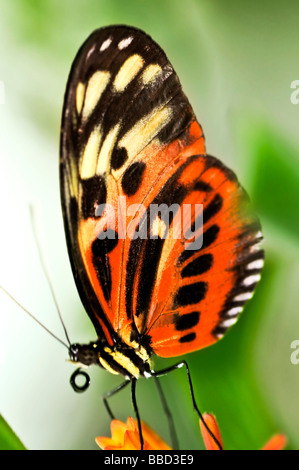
point(236, 62)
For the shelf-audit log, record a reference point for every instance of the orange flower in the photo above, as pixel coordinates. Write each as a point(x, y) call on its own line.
point(277, 442)
point(126, 437)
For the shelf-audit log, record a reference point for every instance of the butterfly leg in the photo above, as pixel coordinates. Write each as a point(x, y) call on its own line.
point(179, 366)
point(109, 394)
point(173, 434)
point(133, 390)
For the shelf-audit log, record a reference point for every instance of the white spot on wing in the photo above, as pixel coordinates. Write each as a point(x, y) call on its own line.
point(243, 297)
point(251, 279)
point(90, 51)
point(125, 42)
point(234, 311)
point(254, 248)
point(229, 322)
point(105, 44)
point(257, 264)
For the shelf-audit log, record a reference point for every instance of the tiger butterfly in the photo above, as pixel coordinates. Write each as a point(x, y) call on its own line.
point(130, 140)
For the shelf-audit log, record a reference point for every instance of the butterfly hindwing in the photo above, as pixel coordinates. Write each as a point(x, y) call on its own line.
point(200, 289)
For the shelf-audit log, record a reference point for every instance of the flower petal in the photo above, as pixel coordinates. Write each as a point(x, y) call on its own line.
point(116, 441)
point(277, 442)
point(125, 436)
point(153, 440)
point(212, 424)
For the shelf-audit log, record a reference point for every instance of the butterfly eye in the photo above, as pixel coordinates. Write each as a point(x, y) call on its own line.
point(75, 380)
point(73, 352)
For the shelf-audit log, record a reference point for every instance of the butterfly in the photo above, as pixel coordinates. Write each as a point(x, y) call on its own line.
point(160, 282)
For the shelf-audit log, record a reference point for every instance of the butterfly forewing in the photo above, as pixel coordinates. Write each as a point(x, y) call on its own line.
point(130, 141)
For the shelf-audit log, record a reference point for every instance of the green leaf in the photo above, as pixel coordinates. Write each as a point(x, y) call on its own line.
point(8, 439)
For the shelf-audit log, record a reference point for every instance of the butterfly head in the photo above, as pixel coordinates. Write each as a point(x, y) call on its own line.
point(83, 354)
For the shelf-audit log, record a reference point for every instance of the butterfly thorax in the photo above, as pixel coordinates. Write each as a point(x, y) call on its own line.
point(129, 361)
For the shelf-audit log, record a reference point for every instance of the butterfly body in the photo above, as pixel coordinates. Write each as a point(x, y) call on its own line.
point(122, 358)
point(130, 143)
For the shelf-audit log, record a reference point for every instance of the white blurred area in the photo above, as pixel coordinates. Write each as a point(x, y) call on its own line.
point(35, 393)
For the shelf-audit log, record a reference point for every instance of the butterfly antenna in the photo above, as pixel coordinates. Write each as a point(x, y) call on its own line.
point(44, 267)
point(33, 317)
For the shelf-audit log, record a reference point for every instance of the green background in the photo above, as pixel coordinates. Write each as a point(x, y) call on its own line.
point(236, 61)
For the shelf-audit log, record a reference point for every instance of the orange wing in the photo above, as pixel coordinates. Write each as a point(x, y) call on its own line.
point(198, 293)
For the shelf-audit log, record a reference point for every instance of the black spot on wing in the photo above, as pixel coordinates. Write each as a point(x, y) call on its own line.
point(148, 272)
point(118, 158)
point(94, 193)
point(203, 186)
point(105, 243)
point(102, 268)
point(209, 237)
point(186, 321)
point(132, 178)
point(131, 269)
point(212, 208)
point(190, 294)
point(100, 249)
point(198, 266)
point(187, 338)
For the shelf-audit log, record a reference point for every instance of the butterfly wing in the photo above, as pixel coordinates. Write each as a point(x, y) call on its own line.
point(126, 124)
point(130, 143)
point(191, 282)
